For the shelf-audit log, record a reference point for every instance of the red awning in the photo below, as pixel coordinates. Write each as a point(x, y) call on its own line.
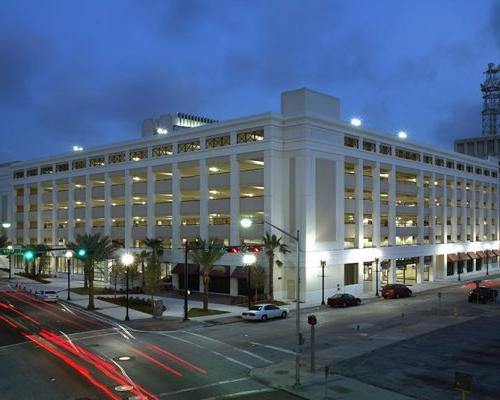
point(240, 273)
point(473, 255)
point(496, 252)
point(219, 271)
point(481, 254)
point(452, 258)
point(193, 269)
point(463, 257)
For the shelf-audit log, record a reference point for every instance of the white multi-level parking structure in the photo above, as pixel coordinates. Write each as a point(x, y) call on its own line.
point(356, 195)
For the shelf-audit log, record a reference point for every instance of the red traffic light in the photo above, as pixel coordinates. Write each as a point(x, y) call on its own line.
point(232, 249)
point(255, 249)
point(311, 320)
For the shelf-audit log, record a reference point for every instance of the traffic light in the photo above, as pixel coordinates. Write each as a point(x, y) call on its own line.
point(311, 320)
point(81, 252)
point(29, 255)
point(255, 249)
point(232, 249)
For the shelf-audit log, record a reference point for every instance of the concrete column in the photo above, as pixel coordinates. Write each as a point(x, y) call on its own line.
point(454, 211)
point(151, 203)
point(359, 236)
point(489, 227)
point(432, 269)
point(376, 205)
point(12, 215)
point(26, 216)
point(203, 199)
point(235, 199)
point(497, 208)
point(55, 239)
point(392, 271)
point(392, 206)
point(481, 212)
point(176, 207)
point(71, 210)
point(432, 202)
point(128, 210)
point(421, 207)
point(473, 211)
point(88, 205)
point(233, 283)
point(420, 269)
point(339, 201)
point(444, 214)
point(464, 210)
point(39, 211)
point(107, 204)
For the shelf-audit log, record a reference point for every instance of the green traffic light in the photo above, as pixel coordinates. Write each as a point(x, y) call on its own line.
point(81, 252)
point(29, 255)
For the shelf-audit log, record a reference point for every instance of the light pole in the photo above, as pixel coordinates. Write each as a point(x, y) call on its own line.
point(376, 276)
point(249, 260)
point(186, 284)
point(487, 261)
point(68, 256)
point(247, 223)
point(127, 260)
point(323, 264)
point(6, 225)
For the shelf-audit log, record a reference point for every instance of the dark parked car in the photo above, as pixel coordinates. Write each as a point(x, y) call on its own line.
point(482, 295)
point(343, 300)
point(395, 291)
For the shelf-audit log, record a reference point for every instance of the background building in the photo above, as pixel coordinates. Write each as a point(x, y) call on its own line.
point(364, 201)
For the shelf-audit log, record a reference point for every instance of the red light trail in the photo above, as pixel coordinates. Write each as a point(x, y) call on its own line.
point(174, 357)
point(155, 361)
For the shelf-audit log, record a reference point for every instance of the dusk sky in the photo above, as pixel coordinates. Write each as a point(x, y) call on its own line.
point(89, 72)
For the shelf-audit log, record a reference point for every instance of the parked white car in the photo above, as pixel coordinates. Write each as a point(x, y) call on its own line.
point(48, 295)
point(263, 312)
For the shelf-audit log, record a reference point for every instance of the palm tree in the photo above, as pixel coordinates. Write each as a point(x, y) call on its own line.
point(41, 251)
point(206, 253)
point(271, 244)
point(143, 256)
point(4, 241)
point(152, 272)
point(98, 249)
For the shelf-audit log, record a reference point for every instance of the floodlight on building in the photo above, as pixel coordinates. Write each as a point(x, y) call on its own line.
point(355, 122)
point(6, 225)
point(249, 259)
point(402, 135)
point(246, 222)
point(161, 131)
point(77, 148)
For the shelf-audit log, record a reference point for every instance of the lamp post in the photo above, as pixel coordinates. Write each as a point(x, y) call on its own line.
point(458, 270)
point(68, 256)
point(323, 264)
point(6, 225)
point(186, 283)
point(247, 223)
point(376, 276)
point(249, 260)
point(127, 260)
point(487, 261)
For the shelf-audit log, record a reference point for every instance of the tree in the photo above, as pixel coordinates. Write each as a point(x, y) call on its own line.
point(143, 256)
point(257, 278)
point(116, 274)
point(271, 244)
point(152, 271)
point(41, 251)
point(98, 249)
point(4, 241)
point(206, 253)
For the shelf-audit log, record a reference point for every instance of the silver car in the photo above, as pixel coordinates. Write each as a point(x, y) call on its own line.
point(48, 295)
point(263, 312)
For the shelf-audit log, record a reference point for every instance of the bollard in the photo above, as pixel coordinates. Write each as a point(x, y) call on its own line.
point(439, 304)
point(357, 327)
point(312, 321)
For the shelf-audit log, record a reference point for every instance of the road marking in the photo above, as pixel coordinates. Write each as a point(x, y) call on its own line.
point(191, 389)
point(235, 348)
point(94, 336)
point(239, 394)
point(206, 348)
point(274, 348)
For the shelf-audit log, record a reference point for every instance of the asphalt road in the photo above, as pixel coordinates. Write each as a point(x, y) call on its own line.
point(54, 351)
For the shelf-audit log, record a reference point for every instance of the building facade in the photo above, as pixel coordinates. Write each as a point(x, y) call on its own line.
point(365, 202)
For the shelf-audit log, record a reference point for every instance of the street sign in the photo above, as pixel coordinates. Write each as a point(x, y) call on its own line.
point(8, 252)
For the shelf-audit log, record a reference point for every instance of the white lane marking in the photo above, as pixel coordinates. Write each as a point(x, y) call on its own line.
point(8, 346)
point(239, 394)
point(211, 351)
point(191, 389)
point(225, 344)
point(274, 348)
point(66, 308)
point(94, 336)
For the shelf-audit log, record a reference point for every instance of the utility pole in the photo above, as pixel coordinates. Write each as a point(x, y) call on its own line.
point(323, 264)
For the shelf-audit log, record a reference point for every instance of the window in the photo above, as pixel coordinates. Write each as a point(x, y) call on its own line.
point(46, 169)
point(450, 164)
point(218, 141)
point(116, 158)
point(494, 174)
point(486, 172)
point(79, 164)
point(427, 159)
point(407, 154)
point(351, 142)
point(96, 161)
point(188, 146)
point(385, 149)
point(470, 169)
point(62, 167)
point(250, 136)
point(19, 174)
point(351, 274)
point(439, 162)
point(478, 171)
point(32, 172)
point(162, 150)
point(138, 154)
point(460, 166)
point(368, 146)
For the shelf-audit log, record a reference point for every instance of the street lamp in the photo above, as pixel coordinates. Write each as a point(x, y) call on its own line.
point(9, 247)
point(323, 264)
point(376, 276)
point(246, 223)
point(127, 260)
point(68, 256)
point(186, 283)
point(6, 225)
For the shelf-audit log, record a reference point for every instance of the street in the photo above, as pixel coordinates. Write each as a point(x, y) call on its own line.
point(59, 351)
